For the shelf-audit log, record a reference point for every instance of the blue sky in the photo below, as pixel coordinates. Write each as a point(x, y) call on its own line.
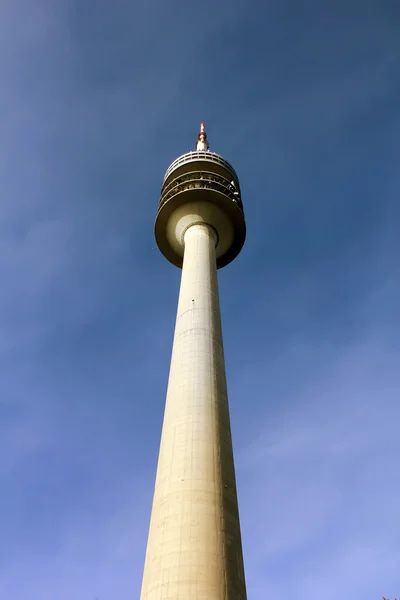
point(96, 99)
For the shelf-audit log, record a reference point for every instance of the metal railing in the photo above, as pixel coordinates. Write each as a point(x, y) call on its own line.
point(206, 156)
point(200, 180)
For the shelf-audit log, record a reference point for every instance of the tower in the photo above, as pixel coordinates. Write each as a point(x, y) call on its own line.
point(194, 549)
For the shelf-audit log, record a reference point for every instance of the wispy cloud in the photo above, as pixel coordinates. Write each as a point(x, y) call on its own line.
point(321, 477)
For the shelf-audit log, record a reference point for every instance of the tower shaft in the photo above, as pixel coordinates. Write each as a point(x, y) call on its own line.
point(194, 547)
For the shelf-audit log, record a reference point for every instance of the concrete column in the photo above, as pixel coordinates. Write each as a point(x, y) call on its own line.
point(194, 547)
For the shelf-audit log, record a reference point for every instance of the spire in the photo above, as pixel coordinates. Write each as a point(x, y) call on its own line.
point(202, 144)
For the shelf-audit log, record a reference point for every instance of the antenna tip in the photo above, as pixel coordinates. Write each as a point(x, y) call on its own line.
point(202, 143)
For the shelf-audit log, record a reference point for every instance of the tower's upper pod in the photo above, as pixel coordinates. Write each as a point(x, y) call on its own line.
point(210, 161)
point(200, 186)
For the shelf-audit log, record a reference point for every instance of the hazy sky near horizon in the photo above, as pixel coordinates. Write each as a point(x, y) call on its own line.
point(96, 100)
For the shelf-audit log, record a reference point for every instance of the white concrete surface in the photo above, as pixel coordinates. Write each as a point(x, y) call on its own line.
point(194, 546)
point(200, 212)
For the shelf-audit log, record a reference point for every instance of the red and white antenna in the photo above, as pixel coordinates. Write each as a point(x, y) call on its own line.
point(202, 143)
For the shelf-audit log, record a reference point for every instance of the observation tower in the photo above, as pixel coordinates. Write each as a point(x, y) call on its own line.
point(194, 549)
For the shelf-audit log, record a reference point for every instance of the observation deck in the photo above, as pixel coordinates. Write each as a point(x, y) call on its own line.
point(198, 179)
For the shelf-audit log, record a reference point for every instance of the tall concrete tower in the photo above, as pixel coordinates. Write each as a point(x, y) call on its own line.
point(194, 549)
